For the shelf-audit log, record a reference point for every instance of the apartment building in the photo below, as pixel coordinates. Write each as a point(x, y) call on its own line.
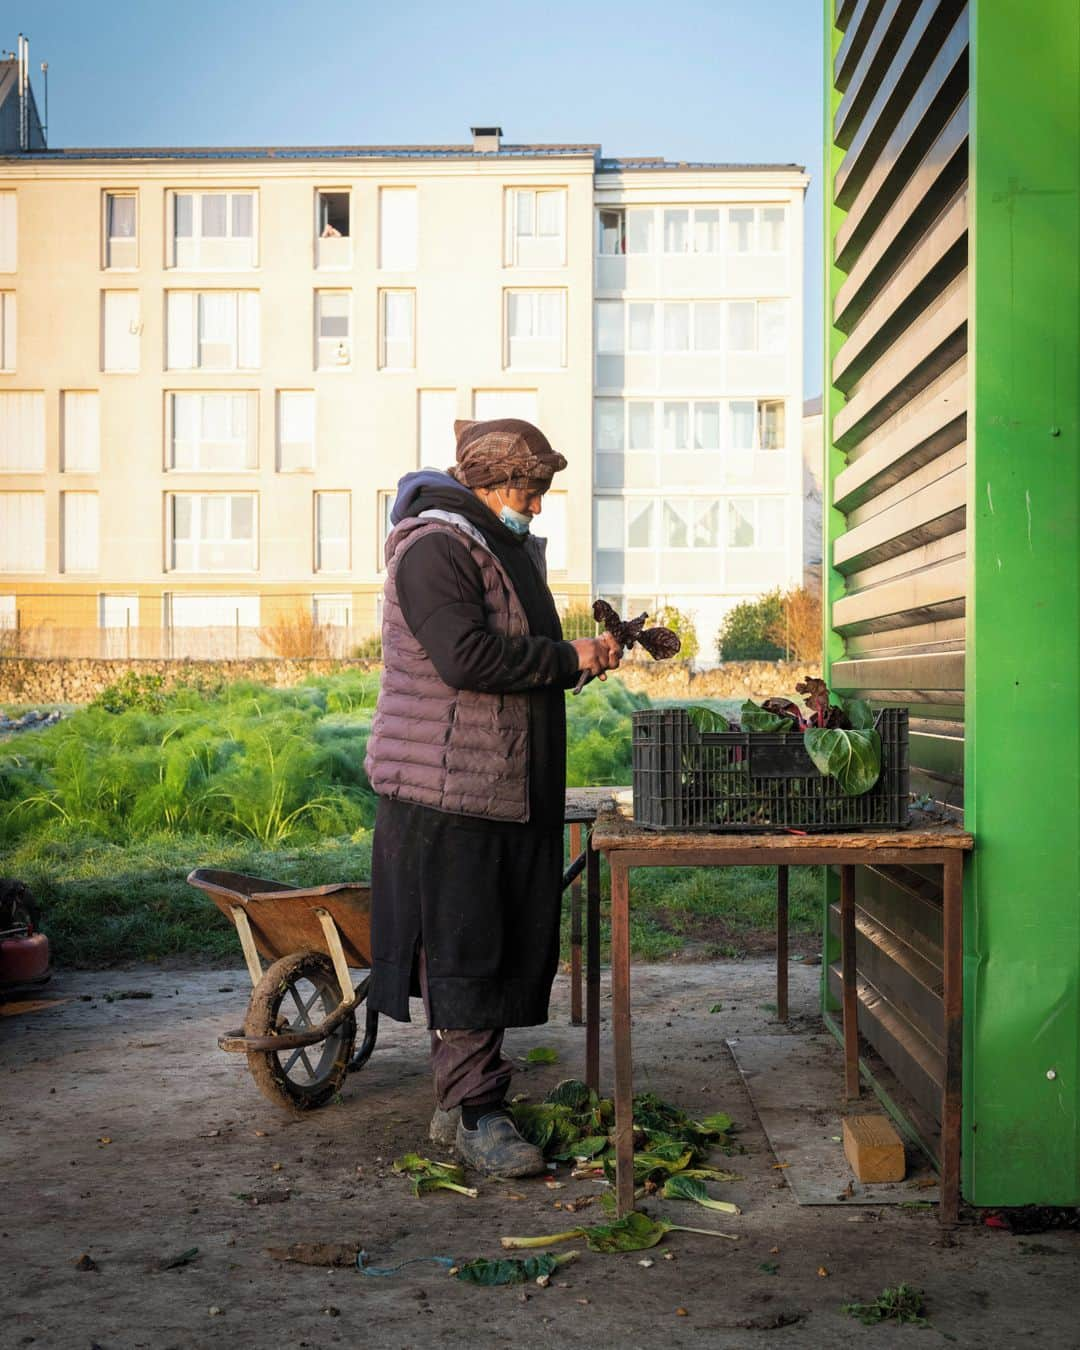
point(216, 364)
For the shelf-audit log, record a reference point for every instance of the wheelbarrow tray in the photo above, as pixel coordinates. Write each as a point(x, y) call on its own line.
point(284, 919)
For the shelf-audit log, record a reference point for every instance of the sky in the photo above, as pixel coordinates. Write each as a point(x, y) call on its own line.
point(714, 80)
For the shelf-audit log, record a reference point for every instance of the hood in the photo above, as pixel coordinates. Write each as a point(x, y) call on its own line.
point(413, 484)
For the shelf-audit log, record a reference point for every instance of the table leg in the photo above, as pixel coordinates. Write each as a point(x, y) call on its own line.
point(620, 1016)
point(575, 933)
point(782, 944)
point(952, 1096)
point(592, 967)
point(851, 993)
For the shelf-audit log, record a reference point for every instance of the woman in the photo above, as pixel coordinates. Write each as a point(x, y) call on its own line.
point(468, 755)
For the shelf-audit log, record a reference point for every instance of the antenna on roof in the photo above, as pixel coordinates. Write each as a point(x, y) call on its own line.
point(45, 78)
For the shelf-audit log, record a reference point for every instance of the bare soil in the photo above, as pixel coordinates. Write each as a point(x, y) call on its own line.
point(130, 1138)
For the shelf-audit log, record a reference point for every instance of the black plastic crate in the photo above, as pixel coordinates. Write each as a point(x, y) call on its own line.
point(758, 781)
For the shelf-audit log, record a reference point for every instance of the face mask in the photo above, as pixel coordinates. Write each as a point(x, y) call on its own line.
point(516, 521)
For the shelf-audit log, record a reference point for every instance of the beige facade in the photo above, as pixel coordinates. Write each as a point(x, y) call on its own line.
point(217, 364)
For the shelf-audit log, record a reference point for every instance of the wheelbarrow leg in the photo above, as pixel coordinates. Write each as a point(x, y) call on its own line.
point(782, 944)
point(367, 1045)
point(575, 932)
point(247, 943)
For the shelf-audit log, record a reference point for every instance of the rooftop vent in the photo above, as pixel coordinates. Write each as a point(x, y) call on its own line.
point(486, 140)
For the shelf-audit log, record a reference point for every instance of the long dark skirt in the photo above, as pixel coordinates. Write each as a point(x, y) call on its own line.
point(483, 898)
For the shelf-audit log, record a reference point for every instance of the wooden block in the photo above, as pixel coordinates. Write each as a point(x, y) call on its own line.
point(873, 1148)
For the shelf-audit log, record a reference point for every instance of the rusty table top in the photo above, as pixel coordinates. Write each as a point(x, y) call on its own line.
point(615, 829)
point(584, 804)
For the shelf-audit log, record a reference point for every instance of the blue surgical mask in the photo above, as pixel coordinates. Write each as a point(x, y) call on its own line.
point(516, 521)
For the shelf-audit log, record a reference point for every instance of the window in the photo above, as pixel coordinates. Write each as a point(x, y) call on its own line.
point(331, 611)
point(642, 337)
point(333, 344)
point(677, 231)
point(80, 431)
point(212, 611)
point(755, 522)
point(610, 517)
point(535, 227)
point(295, 430)
point(676, 328)
point(610, 323)
point(435, 433)
point(489, 404)
point(385, 525)
point(211, 431)
point(213, 330)
point(212, 532)
point(611, 233)
point(121, 238)
point(642, 426)
point(397, 229)
point(707, 238)
point(741, 326)
point(552, 525)
point(740, 229)
point(639, 523)
point(624, 230)
point(772, 326)
point(770, 423)
point(708, 326)
point(212, 230)
point(397, 330)
point(332, 542)
point(761, 229)
point(22, 532)
point(118, 611)
point(535, 329)
point(22, 432)
point(609, 425)
point(676, 426)
point(79, 532)
point(9, 613)
point(9, 232)
point(772, 229)
point(333, 244)
point(121, 328)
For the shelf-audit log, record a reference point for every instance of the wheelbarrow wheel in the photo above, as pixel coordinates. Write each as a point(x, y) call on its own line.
point(298, 992)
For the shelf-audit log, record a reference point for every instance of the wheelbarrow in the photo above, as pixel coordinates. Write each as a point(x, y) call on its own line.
point(299, 1034)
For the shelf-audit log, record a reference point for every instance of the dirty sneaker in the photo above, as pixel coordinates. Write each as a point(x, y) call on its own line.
point(496, 1147)
point(443, 1128)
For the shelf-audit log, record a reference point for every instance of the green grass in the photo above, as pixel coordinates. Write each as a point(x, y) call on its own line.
point(105, 813)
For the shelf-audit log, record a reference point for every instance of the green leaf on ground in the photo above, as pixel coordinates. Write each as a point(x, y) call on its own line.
point(542, 1054)
point(899, 1303)
point(512, 1269)
point(682, 1187)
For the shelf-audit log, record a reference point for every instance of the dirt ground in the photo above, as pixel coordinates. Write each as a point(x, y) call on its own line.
point(129, 1137)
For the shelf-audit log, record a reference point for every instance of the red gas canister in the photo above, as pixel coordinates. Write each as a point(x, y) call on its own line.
point(24, 959)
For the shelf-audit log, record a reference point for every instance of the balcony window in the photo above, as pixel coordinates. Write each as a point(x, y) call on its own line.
point(295, 430)
point(332, 531)
point(398, 227)
point(80, 532)
point(22, 531)
point(7, 330)
point(22, 431)
point(677, 231)
point(121, 328)
point(611, 227)
point(333, 242)
point(9, 231)
point(213, 330)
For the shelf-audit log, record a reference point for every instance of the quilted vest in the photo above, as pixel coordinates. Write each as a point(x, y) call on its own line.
point(455, 750)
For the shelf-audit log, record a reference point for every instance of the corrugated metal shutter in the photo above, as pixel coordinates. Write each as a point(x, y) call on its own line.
point(22, 432)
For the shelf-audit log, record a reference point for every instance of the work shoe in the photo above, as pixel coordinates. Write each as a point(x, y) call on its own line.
point(443, 1127)
point(496, 1147)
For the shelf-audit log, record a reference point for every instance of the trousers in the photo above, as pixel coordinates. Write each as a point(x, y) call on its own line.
point(467, 1066)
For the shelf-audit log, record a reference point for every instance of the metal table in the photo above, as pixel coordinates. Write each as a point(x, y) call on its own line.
point(627, 846)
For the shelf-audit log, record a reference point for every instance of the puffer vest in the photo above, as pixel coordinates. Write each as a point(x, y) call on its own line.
point(455, 750)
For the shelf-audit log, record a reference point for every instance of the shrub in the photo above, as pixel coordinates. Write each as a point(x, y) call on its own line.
point(681, 623)
point(133, 690)
point(369, 648)
point(797, 629)
point(296, 633)
point(744, 634)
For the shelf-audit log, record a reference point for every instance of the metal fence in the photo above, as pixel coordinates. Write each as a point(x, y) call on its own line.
point(49, 625)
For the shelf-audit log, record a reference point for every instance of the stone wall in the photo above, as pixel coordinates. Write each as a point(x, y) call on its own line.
point(79, 680)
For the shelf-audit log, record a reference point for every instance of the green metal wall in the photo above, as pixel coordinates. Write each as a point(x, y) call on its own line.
point(952, 392)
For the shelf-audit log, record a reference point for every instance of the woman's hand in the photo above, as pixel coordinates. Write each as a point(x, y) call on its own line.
point(597, 655)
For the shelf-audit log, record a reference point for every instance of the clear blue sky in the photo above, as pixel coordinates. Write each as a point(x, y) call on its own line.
point(729, 80)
